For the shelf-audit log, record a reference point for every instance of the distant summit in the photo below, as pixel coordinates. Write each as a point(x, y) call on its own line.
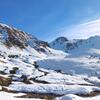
point(61, 39)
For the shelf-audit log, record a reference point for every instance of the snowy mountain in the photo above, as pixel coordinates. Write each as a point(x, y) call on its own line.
point(30, 68)
point(76, 46)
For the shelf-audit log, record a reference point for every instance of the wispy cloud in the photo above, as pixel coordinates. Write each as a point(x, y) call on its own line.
point(83, 30)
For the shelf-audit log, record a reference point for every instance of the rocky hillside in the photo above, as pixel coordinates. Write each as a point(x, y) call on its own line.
point(13, 37)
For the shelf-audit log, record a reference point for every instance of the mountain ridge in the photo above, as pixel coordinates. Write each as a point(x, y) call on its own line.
point(75, 44)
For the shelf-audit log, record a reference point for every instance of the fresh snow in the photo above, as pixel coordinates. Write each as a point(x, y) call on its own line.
point(53, 88)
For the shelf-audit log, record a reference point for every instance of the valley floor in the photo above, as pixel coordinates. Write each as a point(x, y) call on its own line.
point(62, 77)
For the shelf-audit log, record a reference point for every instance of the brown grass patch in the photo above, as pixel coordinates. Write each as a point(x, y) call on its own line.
point(46, 96)
point(5, 81)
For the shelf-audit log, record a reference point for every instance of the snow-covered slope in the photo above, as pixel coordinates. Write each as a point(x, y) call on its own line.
point(83, 56)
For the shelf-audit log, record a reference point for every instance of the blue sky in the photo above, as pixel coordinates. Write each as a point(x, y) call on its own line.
point(48, 19)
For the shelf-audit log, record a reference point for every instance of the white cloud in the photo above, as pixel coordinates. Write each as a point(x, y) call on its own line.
point(83, 30)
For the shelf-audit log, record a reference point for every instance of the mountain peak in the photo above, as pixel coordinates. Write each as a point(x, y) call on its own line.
point(61, 39)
